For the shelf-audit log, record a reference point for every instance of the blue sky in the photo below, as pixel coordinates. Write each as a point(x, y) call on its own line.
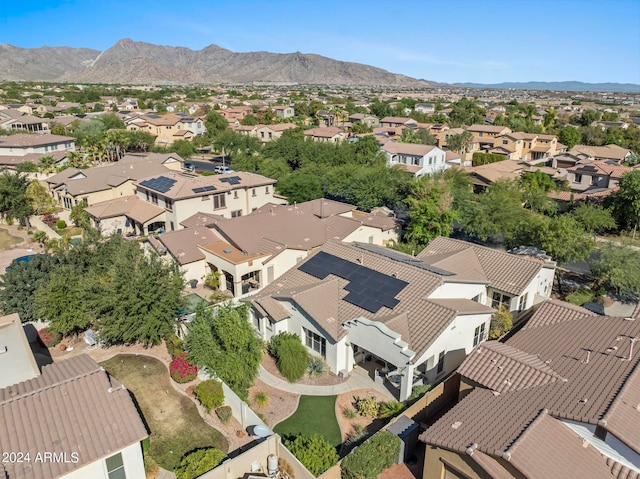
point(486, 41)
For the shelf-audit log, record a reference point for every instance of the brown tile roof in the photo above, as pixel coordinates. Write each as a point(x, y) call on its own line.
point(324, 132)
point(506, 272)
point(103, 178)
point(548, 448)
point(26, 140)
point(32, 157)
point(73, 406)
point(202, 219)
point(183, 244)
point(612, 152)
point(501, 368)
point(487, 128)
point(273, 308)
point(229, 253)
point(398, 119)
point(327, 301)
point(591, 352)
point(186, 183)
point(131, 206)
point(600, 167)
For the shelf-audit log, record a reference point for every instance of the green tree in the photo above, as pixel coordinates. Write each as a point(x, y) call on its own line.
point(430, 209)
point(569, 136)
point(79, 216)
point(372, 457)
point(215, 122)
point(314, 452)
point(466, 112)
point(111, 121)
point(588, 117)
point(619, 268)
point(594, 218)
point(290, 354)
point(15, 203)
point(198, 462)
point(501, 322)
point(562, 237)
point(40, 198)
point(460, 142)
point(625, 203)
point(226, 345)
point(249, 120)
point(184, 148)
point(300, 186)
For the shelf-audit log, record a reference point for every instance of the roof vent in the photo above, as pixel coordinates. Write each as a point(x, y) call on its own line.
point(456, 425)
point(583, 401)
point(227, 251)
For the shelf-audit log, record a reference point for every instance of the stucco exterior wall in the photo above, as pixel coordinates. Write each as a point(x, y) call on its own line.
point(131, 458)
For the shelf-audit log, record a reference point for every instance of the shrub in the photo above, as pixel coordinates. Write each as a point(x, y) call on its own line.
point(181, 370)
point(501, 322)
point(372, 457)
point(418, 392)
point(174, 346)
point(390, 409)
point(261, 399)
point(349, 412)
point(151, 467)
point(49, 337)
point(210, 394)
point(368, 406)
point(291, 355)
point(315, 452)
point(317, 366)
point(224, 413)
point(61, 224)
point(358, 436)
point(580, 297)
point(198, 462)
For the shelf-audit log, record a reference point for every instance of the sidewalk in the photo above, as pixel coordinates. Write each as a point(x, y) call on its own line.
point(356, 380)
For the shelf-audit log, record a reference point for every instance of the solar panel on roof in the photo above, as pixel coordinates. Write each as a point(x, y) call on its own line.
point(197, 190)
point(153, 115)
point(209, 188)
point(368, 289)
point(161, 184)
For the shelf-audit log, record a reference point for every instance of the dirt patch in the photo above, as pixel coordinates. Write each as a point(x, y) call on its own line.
point(269, 363)
point(347, 401)
point(280, 406)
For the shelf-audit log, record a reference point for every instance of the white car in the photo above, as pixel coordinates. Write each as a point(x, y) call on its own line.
point(222, 169)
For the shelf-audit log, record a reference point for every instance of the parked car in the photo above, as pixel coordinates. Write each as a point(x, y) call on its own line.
point(223, 169)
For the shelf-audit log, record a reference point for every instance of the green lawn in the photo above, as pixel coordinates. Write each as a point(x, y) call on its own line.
point(7, 240)
point(315, 415)
point(175, 424)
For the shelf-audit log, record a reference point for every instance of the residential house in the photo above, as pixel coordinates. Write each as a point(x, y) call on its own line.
point(182, 195)
point(557, 399)
point(282, 111)
point(608, 124)
point(127, 215)
point(11, 119)
point(483, 175)
point(608, 152)
point(250, 252)
point(366, 304)
point(325, 118)
point(167, 128)
point(595, 175)
point(69, 419)
point(102, 183)
point(23, 144)
point(329, 134)
point(266, 133)
point(426, 108)
point(235, 114)
point(60, 158)
point(491, 131)
point(417, 159)
point(365, 118)
point(395, 122)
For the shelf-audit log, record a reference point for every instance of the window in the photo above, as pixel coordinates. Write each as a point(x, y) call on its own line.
point(67, 202)
point(168, 204)
point(171, 225)
point(235, 194)
point(477, 299)
point(219, 201)
point(577, 178)
point(270, 135)
point(478, 335)
point(505, 142)
point(522, 304)
point(498, 299)
point(266, 190)
point(316, 342)
point(440, 363)
point(262, 134)
point(154, 198)
point(370, 239)
point(594, 180)
point(205, 198)
point(253, 193)
point(115, 467)
point(236, 213)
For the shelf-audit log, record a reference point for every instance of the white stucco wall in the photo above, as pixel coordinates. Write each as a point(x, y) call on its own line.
point(459, 290)
point(368, 234)
point(131, 458)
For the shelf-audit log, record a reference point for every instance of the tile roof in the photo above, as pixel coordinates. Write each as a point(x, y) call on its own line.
point(184, 184)
point(612, 152)
point(419, 320)
point(487, 128)
point(324, 132)
point(11, 160)
point(396, 147)
point(202, 219)
point(602, 385)
point(183, 244)
point(25, 140)
point(131, 206)
point(506, 272)
point(73, 406)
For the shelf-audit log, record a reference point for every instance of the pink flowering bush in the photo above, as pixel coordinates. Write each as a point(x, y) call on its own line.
point(181, 370)
point(49, 337)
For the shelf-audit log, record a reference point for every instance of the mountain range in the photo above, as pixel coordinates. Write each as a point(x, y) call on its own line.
point(559, 86)
point(130, 62)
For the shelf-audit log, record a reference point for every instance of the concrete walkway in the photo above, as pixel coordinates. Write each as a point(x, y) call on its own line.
point(37, 223)
point(358, 379)
point(164, 474)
